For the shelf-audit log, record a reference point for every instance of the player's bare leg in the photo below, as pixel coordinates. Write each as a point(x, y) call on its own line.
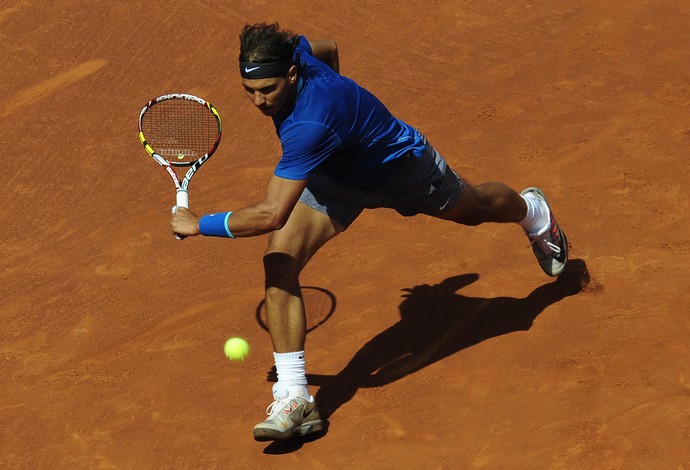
point(488, 202)
point(496, 202)
point(288, 251)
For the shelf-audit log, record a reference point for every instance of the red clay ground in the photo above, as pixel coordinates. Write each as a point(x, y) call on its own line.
point(447, 348)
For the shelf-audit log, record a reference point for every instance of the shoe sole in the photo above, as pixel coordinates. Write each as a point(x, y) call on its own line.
point(550, 270)
point(305, 429)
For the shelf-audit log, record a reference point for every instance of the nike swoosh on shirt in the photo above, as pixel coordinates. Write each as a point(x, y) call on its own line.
point(247, 69)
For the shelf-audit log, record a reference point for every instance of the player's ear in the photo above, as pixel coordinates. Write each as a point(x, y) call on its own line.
point(292, 74)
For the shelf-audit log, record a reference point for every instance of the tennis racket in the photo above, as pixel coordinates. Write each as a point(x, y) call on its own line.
point(180, 130)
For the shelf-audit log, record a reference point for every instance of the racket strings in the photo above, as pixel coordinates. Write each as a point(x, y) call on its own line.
point(180, 130)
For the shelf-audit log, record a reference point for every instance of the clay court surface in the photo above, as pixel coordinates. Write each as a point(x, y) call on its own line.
point(434, 345)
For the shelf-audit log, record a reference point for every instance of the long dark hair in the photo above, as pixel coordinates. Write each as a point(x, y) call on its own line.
point(264, 42)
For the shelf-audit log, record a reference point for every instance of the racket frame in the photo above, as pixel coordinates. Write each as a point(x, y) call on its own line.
point(181, 186)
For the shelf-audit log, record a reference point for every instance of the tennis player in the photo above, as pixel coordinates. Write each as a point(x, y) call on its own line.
point(342, 152)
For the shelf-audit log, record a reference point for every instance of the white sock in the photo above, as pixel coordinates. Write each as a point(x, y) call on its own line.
point(292, 377)
point(537, 216)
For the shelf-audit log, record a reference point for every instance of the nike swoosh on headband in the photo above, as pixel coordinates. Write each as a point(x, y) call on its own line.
point(258, 70)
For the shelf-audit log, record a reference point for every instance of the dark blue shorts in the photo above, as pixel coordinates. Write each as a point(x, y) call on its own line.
point(418, 185)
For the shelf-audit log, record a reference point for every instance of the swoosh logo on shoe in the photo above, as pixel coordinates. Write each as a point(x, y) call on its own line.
point(247, 69)
point(308, 409)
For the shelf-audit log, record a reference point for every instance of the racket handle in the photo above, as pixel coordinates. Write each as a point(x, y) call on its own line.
point(182, 200)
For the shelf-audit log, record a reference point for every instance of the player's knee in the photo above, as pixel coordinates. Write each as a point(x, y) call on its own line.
point(281, 270)
point(472, 218)
point(470, 209)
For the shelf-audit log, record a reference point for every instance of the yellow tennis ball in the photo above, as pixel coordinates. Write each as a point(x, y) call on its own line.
point(236, 349)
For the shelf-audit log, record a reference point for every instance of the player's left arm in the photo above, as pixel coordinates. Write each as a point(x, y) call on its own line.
point(265, 216)
point(327, 52)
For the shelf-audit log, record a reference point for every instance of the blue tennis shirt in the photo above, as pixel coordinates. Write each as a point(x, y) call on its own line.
point(340, 129)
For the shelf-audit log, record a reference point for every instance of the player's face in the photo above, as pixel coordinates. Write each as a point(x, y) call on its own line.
point(271, 95)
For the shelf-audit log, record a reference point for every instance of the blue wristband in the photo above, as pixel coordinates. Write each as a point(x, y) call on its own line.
point(216, 225)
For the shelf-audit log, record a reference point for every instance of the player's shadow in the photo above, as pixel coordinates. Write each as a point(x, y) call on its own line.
point(435, 322)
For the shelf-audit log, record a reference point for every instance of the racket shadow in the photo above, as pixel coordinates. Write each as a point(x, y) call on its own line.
point(436, 322)
point(319, 305)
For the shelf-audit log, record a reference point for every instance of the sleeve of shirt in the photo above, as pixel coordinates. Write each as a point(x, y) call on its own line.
point(305, 146)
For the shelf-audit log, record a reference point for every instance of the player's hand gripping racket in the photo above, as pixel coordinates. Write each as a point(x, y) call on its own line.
point(180, 130)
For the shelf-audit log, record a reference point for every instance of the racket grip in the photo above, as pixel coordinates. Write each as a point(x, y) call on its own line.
point(182, 200)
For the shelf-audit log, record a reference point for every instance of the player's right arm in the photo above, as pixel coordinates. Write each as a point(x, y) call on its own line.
point(272, 212)
point(327, 52)
point(262, 217)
